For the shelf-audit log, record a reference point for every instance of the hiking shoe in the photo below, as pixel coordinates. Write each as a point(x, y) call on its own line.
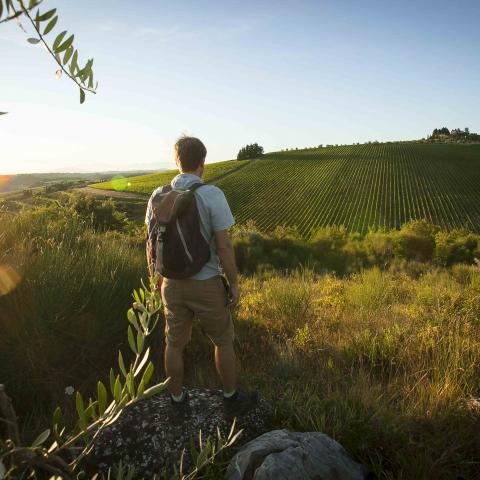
point(180, 409)
point(240, 403)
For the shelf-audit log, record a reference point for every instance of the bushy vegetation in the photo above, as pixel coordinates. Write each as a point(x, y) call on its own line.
point(63, 321)
point(385, 362)
point(250, 151)
point(335, 249)
point(384, 355)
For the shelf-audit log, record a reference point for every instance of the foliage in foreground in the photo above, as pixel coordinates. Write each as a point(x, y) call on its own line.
point(385, 360)
point(61, 452)
point(61, 49)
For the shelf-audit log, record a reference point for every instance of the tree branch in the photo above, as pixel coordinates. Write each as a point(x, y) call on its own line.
point(59, 63)
point(18, 14)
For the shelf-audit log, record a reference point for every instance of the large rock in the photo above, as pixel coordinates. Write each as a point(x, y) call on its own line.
point(151, 435)
point(281, 454)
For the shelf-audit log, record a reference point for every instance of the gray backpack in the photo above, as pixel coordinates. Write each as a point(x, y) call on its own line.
point(176, 247)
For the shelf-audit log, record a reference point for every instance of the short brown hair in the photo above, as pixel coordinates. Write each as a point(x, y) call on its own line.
point(190, 153)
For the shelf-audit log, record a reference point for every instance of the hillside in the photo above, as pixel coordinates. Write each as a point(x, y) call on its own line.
point(359, 186)
point(147, 183)
point(12, 183)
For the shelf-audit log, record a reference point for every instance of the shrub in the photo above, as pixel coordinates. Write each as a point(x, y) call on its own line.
point(455, 247)
point(416, 241)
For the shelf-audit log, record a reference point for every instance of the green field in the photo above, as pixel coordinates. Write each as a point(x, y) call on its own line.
point(147, 183)
point(358, 186)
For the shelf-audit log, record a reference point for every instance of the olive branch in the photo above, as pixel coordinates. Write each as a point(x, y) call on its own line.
point(61, 49)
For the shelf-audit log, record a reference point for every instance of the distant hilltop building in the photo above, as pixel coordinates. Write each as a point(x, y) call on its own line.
point(456, 135)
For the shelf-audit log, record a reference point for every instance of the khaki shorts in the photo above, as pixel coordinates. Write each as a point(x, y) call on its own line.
point(204, 299)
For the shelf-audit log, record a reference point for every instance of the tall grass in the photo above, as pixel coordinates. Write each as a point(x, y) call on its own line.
point(63, 322)
point(385, 360)
point(387, 363)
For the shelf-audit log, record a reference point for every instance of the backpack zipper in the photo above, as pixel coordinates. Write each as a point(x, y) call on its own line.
point(182, 238)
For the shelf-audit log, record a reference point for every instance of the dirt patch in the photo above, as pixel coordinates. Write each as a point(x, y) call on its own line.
point(110, 193)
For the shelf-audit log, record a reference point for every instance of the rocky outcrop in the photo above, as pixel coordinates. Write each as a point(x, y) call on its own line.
point(152, 434)
point(281, 454)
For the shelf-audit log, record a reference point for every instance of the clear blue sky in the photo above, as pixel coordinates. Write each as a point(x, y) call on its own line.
point(281, 73)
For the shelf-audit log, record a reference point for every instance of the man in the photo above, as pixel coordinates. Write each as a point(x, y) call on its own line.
point(203, 296)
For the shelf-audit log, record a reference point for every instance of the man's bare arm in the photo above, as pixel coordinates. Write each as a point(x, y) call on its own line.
point(227, 258)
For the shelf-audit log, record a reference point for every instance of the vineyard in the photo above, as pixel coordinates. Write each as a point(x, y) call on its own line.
point(358, 186)
point(148, 183)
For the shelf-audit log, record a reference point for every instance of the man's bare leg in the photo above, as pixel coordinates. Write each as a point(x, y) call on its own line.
point(225, 363)
point(174, 369)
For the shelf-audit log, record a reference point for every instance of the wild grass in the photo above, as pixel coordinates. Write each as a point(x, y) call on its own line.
point(62, 323)
point(385, 360)
point(386, 363)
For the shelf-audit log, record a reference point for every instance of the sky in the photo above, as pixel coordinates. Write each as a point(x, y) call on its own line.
point(283, 74)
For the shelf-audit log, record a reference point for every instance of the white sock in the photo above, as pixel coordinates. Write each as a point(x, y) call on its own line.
point(179, 398)
point(229, 394)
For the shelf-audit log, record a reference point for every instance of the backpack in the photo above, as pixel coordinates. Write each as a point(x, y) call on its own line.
point(176, 247)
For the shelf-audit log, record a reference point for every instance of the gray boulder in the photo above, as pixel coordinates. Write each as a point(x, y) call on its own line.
point(151, 434)
point(280, 454)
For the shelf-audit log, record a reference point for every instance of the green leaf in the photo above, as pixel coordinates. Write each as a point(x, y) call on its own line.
point(90, 410)
point(112, 380)
point(140, 342)
point(33, 41)
point(68, 54)
point(57, 416)
point(136, 297)
point(143, 320)
point(121, 363)
point(41, 438)
point(130, 384)
point(101, 397)
point(82, 96)
point(74, 64)
point(90, 79)
point(50, 25)
point(117, 390)
point(46, 15)
point(154, 390)
point(65, 44)
point(131, 315)
point(37, 21)
point(80, 405)
point(131, 340)
point(142, 362)
point(147, 375)
point(58, 39)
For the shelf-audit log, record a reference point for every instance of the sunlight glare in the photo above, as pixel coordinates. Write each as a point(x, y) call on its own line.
point(9, 279)
point(119, 183)
point(5, 180)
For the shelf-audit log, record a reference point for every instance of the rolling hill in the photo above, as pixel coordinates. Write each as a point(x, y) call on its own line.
point(358, 186)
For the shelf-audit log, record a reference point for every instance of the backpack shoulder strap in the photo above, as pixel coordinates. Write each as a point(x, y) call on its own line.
point(194, 187)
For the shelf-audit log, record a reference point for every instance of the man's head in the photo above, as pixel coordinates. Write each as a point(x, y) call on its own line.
point(190, 155)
